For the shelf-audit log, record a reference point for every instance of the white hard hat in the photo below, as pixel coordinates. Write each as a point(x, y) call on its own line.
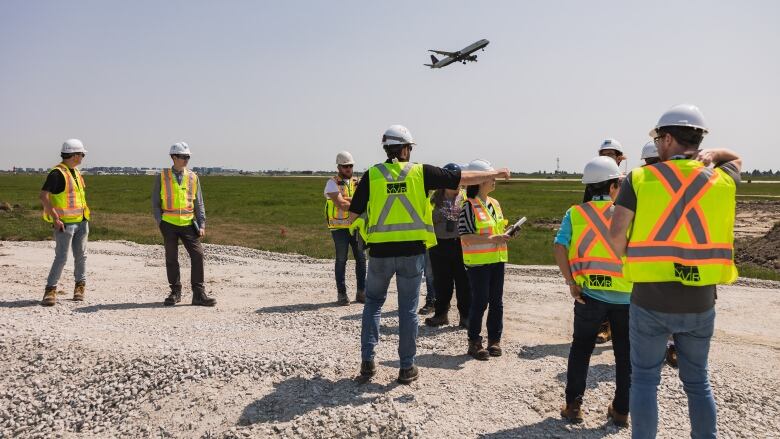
point(611, 144)
point(479, 165)
point(600, 169)
point(649, 151)
point(180, 148)
point(72, 145)
point(683, 115)
point(397, 135)
point(344, 158)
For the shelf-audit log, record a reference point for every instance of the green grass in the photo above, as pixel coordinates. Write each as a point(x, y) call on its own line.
point(283, 214)
point(757, 272)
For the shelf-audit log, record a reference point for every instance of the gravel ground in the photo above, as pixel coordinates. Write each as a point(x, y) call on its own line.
point(277, 357)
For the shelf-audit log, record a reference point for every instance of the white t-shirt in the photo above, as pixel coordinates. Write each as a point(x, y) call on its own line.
point(331, 187)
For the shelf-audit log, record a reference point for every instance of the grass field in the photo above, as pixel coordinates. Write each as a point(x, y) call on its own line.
point(253, 211)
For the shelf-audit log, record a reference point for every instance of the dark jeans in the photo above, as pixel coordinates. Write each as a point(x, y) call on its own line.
point(487, 288)
point(343, 240)
point(587, 320)
point(171, 236)
point(430, 281)
point(449, 271)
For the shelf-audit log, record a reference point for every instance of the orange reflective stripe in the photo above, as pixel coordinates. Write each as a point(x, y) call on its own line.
point(167, 175)
point(598, 226)
point(190, 190)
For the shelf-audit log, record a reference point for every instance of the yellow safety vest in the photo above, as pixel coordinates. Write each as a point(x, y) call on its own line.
point(398, 208)
point(592, 261)
point(337, 218)
point(178, 200)
point(683, 230)
point(486, 225)
point(71, 203)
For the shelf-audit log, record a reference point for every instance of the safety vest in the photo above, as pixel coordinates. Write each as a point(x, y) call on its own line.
point(398, 207)
point(486, 225)
point(592, 261)
point(683, 229)
point(337, 218)
point(178, 200)
point(70, 204)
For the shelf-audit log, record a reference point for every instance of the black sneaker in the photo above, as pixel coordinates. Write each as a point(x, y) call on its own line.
point(343, 300)
point(173, 298)
point(367, 371)
point(407, 376)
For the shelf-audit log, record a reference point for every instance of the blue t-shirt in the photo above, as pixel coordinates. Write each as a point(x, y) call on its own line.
point(564, 238)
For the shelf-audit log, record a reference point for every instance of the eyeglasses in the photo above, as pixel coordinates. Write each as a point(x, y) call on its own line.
point(658, 138)
point(609, 152)
point(346, 166)
point(182, 156)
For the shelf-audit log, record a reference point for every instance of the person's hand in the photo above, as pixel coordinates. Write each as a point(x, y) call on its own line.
point(499, 239)
point(503, 173)
point(347, 198)
point(707, 156)
point(202, 232)
point(59, 225)
point(576, 292)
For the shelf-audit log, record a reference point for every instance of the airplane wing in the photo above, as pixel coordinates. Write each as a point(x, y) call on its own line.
point(441, 52)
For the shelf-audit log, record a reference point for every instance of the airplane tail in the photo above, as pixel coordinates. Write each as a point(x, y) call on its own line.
point(433, 62)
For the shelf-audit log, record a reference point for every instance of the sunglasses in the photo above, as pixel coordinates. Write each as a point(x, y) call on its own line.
point(346, 166)
point(182, 156)
point(658, 138)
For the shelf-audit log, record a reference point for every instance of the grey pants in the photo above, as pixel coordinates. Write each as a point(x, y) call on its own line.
point(74, 236)
point(171, 236)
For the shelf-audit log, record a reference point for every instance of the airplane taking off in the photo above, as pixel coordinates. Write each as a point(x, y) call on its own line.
point(462, 55)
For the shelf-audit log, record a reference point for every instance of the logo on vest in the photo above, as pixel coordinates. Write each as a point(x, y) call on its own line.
point(396, 188)
point(686, 273)
point(599, 280)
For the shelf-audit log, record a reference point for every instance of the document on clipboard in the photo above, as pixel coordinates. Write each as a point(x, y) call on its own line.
point(514, 228)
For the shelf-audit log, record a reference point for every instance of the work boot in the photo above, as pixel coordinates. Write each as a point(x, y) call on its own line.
point(605, 333)
point(618, 419)
point(477, 351)
point(671, 355)
point(49, 296)
point(342, 299)
point(437, 320)
point(173, 298)
point(360, 297)
point(367, 371)
point(572, 412)
point(78, 291)
point(201, 299)
point(494, 348)
point(407, 376)
point(427, 308)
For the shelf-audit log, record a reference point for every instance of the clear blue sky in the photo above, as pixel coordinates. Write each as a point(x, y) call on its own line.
point(286, 84)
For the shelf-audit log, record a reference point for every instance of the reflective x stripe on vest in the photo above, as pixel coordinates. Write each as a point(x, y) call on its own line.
point(486, 225)
point(178, 200)
point(398, 207)
point(337, 218)
point(71, 203)
point(684, 225)
point(592, 261)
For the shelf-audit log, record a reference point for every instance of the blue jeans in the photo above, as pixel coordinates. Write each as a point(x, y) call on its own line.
point(648, 332)
point(487, 288)
point(343, 240)
point(408, 271)
point(430, 294)
point(74, 236)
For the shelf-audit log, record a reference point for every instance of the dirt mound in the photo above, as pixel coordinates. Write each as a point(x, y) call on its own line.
point(755, 217)
point(763, 251)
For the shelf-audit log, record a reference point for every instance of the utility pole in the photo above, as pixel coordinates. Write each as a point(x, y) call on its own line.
point(557, 165)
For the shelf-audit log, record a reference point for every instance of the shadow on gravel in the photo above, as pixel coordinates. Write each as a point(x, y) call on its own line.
point(434, 361)
point(298, 396)
point(19, 303)
point(120, 306)
point(555, 350)
point(550, 427)
point(597, 373)
point(359, 316)
point(298, 307)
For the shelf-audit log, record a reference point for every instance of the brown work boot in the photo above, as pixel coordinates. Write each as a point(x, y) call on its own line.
point(477, 351)
point(572, 412)
point(49, 296)
point(494, 348)
point(360, 297)
point(618, 419)
point(605, 333)
point(437, 320)
point(201, 299)
point(78, 291)
point(173, 298)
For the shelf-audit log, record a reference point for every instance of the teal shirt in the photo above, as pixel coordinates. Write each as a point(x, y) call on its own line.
point(564, 238)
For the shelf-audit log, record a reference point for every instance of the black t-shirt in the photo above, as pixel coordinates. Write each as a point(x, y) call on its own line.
point(670, 297)
point(55, 181)
point(433, 178)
